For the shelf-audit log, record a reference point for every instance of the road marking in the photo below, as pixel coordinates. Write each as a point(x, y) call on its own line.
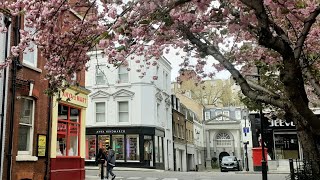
point(134, 178)
point(170, 179)
point(150, 178)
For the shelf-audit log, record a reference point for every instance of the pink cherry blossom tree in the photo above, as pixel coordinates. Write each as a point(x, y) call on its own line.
point(280, 36)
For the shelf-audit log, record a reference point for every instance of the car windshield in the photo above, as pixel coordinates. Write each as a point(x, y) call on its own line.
point(228, 158)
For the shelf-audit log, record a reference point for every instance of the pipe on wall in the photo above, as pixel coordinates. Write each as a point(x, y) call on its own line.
point(7, 23)
point(15, 63)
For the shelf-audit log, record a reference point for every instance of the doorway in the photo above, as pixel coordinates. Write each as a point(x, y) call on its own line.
point(223, 154)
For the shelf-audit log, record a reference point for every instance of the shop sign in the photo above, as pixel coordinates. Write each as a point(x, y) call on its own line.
point(74, 97)
point(280, 123)
point(41, 145)
point(62, 127)
point(147, 137)
point(111, 131)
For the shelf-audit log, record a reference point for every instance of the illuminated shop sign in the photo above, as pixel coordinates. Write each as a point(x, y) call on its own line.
point(279, 123)
point(111, 131)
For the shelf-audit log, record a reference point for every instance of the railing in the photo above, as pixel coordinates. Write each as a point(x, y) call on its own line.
point(303, 170)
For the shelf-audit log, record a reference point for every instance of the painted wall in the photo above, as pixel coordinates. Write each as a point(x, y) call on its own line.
point(149, 100)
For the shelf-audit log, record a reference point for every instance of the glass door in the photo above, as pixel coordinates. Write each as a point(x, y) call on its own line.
point(148, 152)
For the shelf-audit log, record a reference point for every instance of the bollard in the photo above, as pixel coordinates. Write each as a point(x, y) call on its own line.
point(102, 161)
point(291, 169)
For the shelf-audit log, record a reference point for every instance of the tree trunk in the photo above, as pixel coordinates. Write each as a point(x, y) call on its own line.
point(310, 149)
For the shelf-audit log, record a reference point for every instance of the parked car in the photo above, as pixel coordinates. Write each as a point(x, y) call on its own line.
point(229, 163)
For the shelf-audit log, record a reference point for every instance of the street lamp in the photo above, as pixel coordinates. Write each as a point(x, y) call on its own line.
point(263, 161)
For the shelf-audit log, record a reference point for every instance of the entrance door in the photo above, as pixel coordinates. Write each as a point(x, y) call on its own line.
point(148, 152)
point(286, 146)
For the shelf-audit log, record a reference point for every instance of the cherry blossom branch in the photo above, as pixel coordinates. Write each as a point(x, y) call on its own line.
point(246, 89)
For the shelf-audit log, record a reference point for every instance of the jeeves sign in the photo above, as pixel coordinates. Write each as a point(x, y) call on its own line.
point(281, 123)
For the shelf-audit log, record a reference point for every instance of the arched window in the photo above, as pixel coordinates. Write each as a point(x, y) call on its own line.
point(223, 139)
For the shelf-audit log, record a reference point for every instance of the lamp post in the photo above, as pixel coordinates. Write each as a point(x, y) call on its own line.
point(263, 160)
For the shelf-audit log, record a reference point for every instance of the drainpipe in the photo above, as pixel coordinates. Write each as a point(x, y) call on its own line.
point(15, 63)
point(7, 23)
point(47, 162)
point(185, 137)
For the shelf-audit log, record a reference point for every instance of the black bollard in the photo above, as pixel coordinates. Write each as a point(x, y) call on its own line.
point(102, 161)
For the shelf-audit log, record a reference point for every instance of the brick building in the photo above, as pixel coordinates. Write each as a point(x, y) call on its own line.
point(30, 118)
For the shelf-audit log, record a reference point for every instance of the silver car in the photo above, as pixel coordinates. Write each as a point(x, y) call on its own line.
point(229, 163)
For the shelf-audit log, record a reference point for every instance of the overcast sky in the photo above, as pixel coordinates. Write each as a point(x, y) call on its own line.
point(175, 60)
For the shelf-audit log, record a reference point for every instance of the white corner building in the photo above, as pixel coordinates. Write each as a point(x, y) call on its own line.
point(130, 113)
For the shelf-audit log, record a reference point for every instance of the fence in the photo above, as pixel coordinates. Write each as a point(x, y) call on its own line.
point(303, 170)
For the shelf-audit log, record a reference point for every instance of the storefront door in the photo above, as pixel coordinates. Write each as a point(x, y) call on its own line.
point(286, 145)
point(148, 152)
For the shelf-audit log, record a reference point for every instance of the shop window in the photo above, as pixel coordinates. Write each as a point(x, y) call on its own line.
point(161, 149)
point(26, 124)
point(103, 141)
point(100, 76)
point(100, 111)
point(90, 147)
point(123, 74)
point(30, 53)
point(123, 111)
point(68, 131)
point(156, 146)
point(118, 146)
point(133, 148)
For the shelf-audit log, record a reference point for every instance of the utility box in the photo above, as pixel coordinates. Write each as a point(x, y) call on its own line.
point(257, 158)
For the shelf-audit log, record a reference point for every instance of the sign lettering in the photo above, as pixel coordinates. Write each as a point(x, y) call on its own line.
point(74, 97)
point(41, 145)
point(111, 131)
point(281, 123)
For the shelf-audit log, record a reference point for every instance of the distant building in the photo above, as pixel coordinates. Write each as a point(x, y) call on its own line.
point(226, 131)
point(130, 113)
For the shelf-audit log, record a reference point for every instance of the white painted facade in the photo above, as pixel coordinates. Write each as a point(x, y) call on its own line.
point(149, 101)
point(224, 134)
point(199, 144)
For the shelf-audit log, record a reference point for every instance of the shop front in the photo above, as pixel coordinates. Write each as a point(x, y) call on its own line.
point(284, 142)
point(134, 146)
point(68, 135)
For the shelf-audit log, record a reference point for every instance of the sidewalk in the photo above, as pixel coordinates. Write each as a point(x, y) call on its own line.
point(126, 169)
point(259, 172)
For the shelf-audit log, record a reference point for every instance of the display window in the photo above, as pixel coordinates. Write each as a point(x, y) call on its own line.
point(68, 131)
point(90, 147)
point(161, 149)
point(118, 146)
point(132, 148)
point(156, 146)
point(286, 146)
point(103, 141)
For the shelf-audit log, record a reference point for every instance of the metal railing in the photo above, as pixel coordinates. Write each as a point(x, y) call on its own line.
point(303, 170)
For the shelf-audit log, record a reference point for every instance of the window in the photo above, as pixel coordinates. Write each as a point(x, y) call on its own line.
point(223, 139)
point(226, 113)
point(30, 53)
point(219, 112)
point(123, 74)
point(90, 147)
point(182, 132)
point(123, 111)
point(158, 112)
point(103, 141)
point(176, 130)
point(100, 111)
point(100, 76)
point(207, 115)
point(68, 131)
point(238, 114)
point(161, 149)
point(133, 148)
point(156, 146)
point(26, 124)
point(118, 146)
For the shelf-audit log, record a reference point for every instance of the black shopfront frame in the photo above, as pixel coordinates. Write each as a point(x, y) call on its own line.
point(142, 132)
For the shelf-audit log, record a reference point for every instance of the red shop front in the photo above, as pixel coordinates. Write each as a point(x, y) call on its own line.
point(68, 136)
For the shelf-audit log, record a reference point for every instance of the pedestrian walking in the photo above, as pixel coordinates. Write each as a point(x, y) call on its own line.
point(101, 156)
point(111, 162)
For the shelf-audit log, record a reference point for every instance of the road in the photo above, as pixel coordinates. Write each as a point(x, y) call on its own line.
point(169, 175)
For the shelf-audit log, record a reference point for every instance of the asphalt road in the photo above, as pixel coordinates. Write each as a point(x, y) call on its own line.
point(169, 175)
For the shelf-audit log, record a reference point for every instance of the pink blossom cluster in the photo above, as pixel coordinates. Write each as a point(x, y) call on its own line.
point(66, 30)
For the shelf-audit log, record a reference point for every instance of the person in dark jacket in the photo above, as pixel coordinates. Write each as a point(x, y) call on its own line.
point(111, 162)
point(101, 156)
